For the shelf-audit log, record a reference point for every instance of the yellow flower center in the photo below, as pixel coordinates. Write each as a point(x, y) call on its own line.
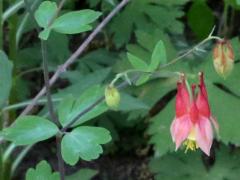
point(190, 143)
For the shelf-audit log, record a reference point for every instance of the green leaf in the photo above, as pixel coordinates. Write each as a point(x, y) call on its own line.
point(190, 167)
point(86, 99)
point(29, 130)
point(43, 171)
point(5, 77)
point(83, 82)
point(83, 174)
point(200, 26)
point(75, 22)
point(84, 142)
point(159, 56)
point(137, 63)
point(143, 79)
point(160, 130)
point(173, 2)
point(148, 40)
point(147, 15)
point(57, 54)
point(45, 13)
point(130, 103)
point(44, 34)
point(65, 107)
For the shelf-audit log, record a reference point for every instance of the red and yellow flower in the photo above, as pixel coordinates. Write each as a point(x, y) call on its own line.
point(192, 123)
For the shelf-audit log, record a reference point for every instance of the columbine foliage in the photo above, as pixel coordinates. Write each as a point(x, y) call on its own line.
point(84, 142)
point(145, 15)
point(29, 130)
point(143, 47)
point(70, 23)
point(71, 107)
point(158, 58)
point(42, 171)
point(191, 166)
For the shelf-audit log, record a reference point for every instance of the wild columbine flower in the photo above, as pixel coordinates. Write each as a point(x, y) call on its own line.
point(192, 123)
point(223, 58)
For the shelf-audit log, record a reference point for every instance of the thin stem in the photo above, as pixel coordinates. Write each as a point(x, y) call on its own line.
point(46, 80)
point(196, 47)
point(86, 110)
point(12, 10)
point(190, 51)
point(31, 13)
point(29, 71)
point(8, 152)
point(24, 20)
point(26, 103)
point(76, 54)
point(20, 157)
point(51, 109)
point(59, 156)
point(125, 74)
point(48, 93)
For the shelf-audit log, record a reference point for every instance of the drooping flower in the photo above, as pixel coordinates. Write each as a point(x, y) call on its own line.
point(192, 123)
point(223, 58)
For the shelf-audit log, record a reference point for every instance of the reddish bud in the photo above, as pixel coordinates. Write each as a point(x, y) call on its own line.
point(223, 58)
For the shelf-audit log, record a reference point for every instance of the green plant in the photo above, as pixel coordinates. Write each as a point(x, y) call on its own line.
point(142, 50)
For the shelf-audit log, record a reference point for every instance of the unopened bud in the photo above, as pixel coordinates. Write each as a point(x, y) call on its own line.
point(223, 58)
point(112, 97)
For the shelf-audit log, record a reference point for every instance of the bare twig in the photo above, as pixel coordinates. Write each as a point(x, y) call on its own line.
point(75, 55)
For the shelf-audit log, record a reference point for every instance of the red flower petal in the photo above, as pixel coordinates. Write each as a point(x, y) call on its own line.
point(180, 129)
point(204, 134)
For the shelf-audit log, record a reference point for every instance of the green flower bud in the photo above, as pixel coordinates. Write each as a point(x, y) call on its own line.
point(112, 97)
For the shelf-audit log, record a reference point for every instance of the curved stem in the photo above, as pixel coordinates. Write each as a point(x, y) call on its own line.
point(23, 22)
point(8, 152)
point(26, 103)
point(196, 47)
point(12, 10)
point(191, 50)
point(20, 157)
point(29, 71)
